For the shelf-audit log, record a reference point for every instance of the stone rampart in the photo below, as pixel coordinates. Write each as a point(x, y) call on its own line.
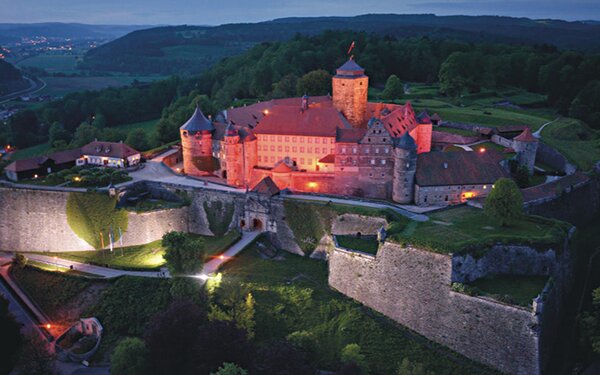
point(413, 287)
point(352, 224)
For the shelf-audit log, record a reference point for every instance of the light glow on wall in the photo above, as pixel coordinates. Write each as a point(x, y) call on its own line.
point(312, 185)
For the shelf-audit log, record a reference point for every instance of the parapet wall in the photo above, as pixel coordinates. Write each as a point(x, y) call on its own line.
point(413, 287)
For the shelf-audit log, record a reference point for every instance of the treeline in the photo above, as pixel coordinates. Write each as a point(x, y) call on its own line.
point(303, 64)
point(11, 78)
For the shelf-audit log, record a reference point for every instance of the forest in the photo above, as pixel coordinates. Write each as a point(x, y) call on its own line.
point(569, 79)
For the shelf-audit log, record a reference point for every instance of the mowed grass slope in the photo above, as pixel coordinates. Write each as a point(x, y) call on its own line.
point(466, 228)
point(144, 257)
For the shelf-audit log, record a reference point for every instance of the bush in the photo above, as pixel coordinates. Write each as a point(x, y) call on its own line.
point(129, 358)
point(94, 218)
point(505, 202)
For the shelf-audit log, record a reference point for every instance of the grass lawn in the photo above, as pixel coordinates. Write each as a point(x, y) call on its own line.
point(466, 228)
point(53, 63)
point(575, 140)
point(466, 133)
point(293, 296)
point(143, 257)
point(520, 289)
point(366, 245)
point(30, 152)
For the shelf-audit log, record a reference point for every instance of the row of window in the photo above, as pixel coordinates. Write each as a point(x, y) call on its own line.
point(273, 159)
point(279, 148)
point(294, 139)
point(367, 150)
point(372, 161)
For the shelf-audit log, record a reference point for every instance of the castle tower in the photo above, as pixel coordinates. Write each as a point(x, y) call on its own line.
point(405, 167)
point(233, 156)
point(350, 88)
point(196, 142)
point(525, 145)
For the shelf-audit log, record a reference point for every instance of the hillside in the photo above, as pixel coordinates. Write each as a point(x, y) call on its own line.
point(13, 32)
point(10, 79)
point(191, 49)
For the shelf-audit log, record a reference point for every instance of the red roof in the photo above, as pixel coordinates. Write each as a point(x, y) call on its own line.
point(526, 136)
point(266, 186)
point(553, 189)
point(292, 120)
point(459, 168)
point(329, 159)
point(110, 149)
point(282, 168)
point(67, 156)
point(26, 164)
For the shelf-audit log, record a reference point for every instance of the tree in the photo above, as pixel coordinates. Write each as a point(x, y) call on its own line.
point(36, 359)
point(317, 82)
point(10, 340)
point(235, 304)
point(171, 339)
point(590, 324)
point(183, 254)
point(84, 134)
point(522, 176)
point(137, 139)
point(393, 88)
point(129, 358)
point(57, 132)
point(230, 369)
point(283, 358)
point(505, 202)
point(286, 87)
point(409, 368)
point(351, 354)
point(219, 342)
point(20, 260)
point(186, 288)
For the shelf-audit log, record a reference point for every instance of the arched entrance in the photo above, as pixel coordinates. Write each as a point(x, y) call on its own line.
point(242, 223)
point(257, 224)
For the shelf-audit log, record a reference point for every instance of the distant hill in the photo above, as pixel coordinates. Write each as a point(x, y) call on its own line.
point(11, 79)
point(13, 32)
point(191, 49)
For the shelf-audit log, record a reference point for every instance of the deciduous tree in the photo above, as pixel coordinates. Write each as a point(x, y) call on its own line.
point(505, 202)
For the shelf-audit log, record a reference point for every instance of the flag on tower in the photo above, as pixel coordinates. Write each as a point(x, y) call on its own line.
point(351, 47)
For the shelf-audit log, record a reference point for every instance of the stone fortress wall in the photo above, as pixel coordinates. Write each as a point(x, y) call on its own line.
point(414, 287)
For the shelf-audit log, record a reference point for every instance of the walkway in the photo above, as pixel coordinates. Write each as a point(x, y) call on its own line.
point(356, 202)
point(213, 265)
point(156, 171)
point(538, 133)
point(32, 89)
point(89, 268)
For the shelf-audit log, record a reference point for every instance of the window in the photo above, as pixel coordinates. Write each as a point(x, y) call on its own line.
point(317, 150)
point(302, 161)
point(294, 139)
point(287, 139)
point(386, 150)
point(301, 148)
point(343, 150)
point(372, 161)
point(377, 150)
point(279, 148)
point(318, 140)
point(367, 150)
point(272, 147)
point(382, 161)
point(278, 138)
point(354, 150)
point(294, 149)
point(287, 148)
point(331, 150)
point(259, 158)
point(301, 139)
point(309, 161)
point(272, 138)
point(309, 150)
point(272, 159)
point(309, 140)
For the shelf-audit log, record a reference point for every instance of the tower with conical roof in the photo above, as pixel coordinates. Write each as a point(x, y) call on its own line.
point(350, 88)
point(405, 167)
point(196, 143)
point(525, 145)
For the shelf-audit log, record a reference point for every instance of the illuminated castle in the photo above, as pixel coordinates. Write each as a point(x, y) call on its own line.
point(339, 144)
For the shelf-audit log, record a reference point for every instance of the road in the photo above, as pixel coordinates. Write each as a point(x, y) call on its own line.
point(33, 88)
point(538, 133)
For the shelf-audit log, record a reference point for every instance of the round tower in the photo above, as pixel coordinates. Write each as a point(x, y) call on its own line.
point(525, 145)
point(350, 88)
point(405, 167)
point(233, 156)
point(196, 144)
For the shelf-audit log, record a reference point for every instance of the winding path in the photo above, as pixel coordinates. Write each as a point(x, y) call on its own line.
point(538, 133)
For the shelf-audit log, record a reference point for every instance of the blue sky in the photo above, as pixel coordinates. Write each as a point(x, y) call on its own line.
point(202, 12)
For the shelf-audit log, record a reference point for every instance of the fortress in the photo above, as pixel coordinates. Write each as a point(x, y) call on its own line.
point(340, 144)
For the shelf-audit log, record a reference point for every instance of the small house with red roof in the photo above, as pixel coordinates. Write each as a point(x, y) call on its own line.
point(108, 154)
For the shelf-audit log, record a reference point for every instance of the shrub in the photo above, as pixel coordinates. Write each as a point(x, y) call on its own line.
point(505, 202)
point(94, 218)
point(129, 358)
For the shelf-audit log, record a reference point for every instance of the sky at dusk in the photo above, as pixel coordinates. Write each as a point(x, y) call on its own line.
point(205, 12)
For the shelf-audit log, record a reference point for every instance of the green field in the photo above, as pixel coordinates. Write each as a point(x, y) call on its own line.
point(465, 228)
point(292, 297)
point(52, 63)
point(29, 152)
point(143, 257)
point(149, 127)
point(575, 140)
point(366, 245)
point(511, 288)
point(60, 86)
